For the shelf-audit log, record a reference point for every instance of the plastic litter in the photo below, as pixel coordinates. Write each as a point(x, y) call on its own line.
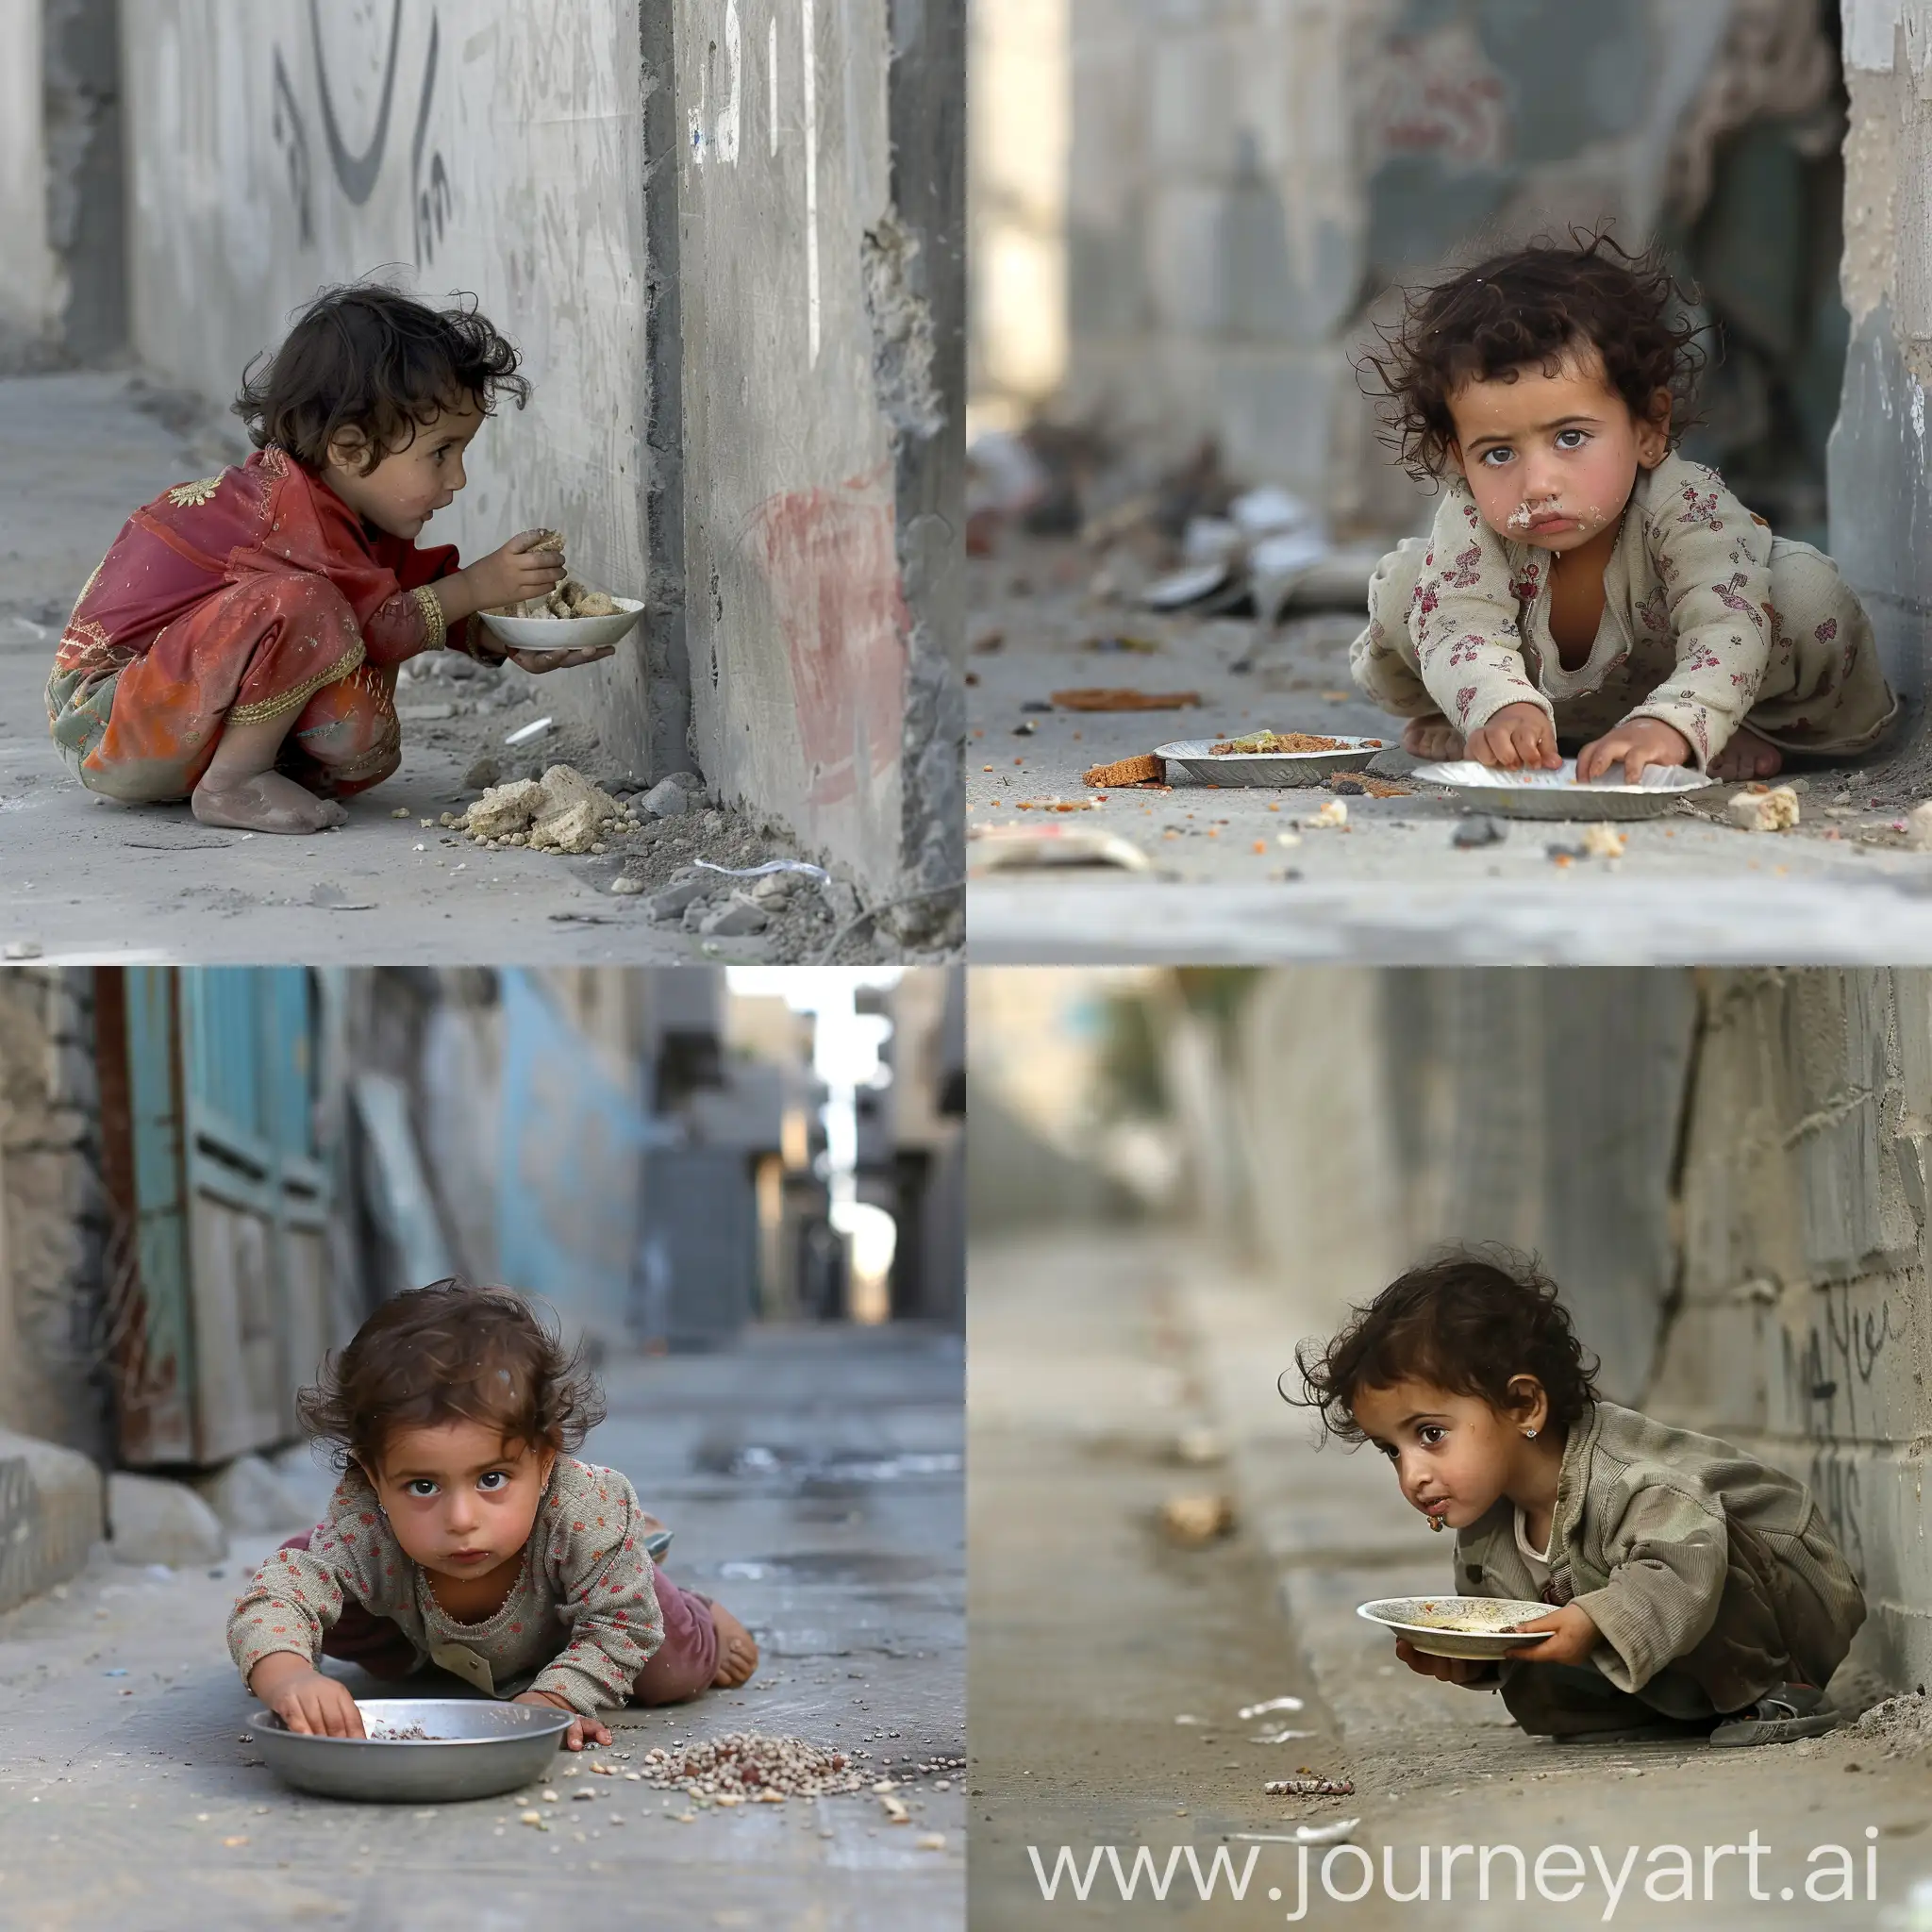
point(536, 729)
point(770, 865)
point(1248, 1710)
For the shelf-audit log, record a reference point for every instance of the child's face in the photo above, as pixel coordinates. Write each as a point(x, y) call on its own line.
point(1454, 1455)
point(1552, 458)
point(409, 486)
point(460, 1500)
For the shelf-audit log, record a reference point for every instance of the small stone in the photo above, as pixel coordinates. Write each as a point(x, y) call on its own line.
point(598, 851)
point(666, 799)
point(1773, 810)
point(930, 1842)
point(22, 949)
point(735, 917)
point(624, 887)
point(482, 776)
point(1475, 832)
point(678, 896)
point(588, 1795)
point(402, 812)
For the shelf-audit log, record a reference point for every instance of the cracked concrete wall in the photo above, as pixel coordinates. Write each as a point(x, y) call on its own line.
point(1805, 1328)
point(1880, 498)
point(498, 149)
point(818, 265)
point(1247, 177)
point(52, 1212)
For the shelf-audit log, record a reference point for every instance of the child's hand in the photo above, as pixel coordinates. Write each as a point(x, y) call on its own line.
point(1518, 735)
point(1638, 742)
point(582, 1728)
point(1451, 1670)
point(519, 570)
point(1576, 1636)
point(311, 1704)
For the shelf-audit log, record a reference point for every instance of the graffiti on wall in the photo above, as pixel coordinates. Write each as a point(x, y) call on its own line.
point(1439, 94)
point(356, 172)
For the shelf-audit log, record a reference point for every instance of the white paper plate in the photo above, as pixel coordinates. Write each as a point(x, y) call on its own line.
point(1199, 760)
point(1467, 1626)
point(1558, 795)
point(564, 633)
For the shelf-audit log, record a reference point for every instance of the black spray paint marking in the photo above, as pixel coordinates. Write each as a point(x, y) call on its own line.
point(433, 203)
point(356, 172)
point(292, 136)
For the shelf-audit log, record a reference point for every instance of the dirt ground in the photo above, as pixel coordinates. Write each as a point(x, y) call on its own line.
point(813, 1483)
point(1092, 1637)
point(1240, 874)
point(85, 879)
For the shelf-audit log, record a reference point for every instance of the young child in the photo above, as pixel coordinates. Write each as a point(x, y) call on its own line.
point(239, 644)
point(1697, 1591)
point(1582, 583)
point(464, 1534)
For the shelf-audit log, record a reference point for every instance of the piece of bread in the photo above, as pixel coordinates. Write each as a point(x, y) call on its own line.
point(1144, 770)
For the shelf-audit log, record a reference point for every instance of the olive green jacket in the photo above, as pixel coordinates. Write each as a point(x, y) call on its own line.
point(1680, 1547)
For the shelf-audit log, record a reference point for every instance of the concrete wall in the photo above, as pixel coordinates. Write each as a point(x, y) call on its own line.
point(63, 297)
point(1881, 501)
point(821, 611)
point(53, 1213)
point(1248, 176)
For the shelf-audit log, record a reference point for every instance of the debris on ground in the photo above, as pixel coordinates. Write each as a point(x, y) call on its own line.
point(563, 811)
point(1334, 814)
point(1919, 828)
point(1471, 834)
point(1309, 1788)
point(744, 1764)
point(1338, 1833)
point(1901, 1725)
point(1144, 769)
point(1255, 1711)
point(1354, 785)
point(1194, 1522)
point(1604, 841)
point(1117, 698)
point(1199, 1448)
point(1764, 809)
point(1027, 848)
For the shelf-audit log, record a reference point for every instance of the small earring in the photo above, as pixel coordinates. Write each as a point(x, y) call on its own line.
point(1530, 1433)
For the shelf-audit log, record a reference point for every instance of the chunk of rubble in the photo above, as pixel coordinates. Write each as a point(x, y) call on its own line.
point(562, 811)
point(1771, 810)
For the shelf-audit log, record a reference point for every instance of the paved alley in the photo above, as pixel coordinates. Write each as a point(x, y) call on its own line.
point(1110, 1666)
point(814, 1482)
point(1243, 875)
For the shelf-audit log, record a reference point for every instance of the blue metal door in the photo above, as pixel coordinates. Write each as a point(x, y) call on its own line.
point(225, 1313)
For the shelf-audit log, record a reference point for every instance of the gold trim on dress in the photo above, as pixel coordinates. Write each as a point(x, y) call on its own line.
point(294, 700)
point(192, 496)
point(433, 620)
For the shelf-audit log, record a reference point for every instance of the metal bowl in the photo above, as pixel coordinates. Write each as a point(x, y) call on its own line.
point(476, 1748)
point(1199, 760)
point(564, 633)
point(1558, 795)
point(1468, 1626)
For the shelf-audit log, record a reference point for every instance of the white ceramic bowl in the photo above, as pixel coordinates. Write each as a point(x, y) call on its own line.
point(564, 633)
point(1466, 1627)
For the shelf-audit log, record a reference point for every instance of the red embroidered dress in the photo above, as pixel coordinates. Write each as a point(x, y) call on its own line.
point(251, 596)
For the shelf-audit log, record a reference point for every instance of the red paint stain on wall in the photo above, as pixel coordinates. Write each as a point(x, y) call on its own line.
point(828, 555)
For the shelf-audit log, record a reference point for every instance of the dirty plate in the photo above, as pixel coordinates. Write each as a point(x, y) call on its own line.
point(1558, 795)
point(564, 633)
point(475, 1748)
point(1197, 757)
point(1468, 1626)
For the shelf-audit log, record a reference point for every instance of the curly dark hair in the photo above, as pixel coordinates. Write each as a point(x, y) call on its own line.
point(1530, 309)
point(447, 1353)
point(1467, 1320)
point(365, 356)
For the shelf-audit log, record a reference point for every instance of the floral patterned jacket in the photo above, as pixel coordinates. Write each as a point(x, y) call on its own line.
point(1689, 634)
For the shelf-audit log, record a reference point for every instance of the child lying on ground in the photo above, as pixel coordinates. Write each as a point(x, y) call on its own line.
point(1699, 1590)
point(239, 644)
point(463, 1533)
point(1582, 582)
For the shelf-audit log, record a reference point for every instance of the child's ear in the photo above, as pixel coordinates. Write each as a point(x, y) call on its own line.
point(1653, 432)
point(346, 450)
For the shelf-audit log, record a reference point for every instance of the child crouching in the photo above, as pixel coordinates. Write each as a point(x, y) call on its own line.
point(464, 1534)
point(1696, 1589)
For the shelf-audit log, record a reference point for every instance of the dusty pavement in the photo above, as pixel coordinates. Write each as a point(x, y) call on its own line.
point(813, 1483)
point(1391, 886)
point(86, 879)
point(1091, 1636)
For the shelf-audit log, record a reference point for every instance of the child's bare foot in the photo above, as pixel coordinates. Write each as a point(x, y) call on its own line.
point(1747, 756)
point(737, 1650)
point(1433, 737)
point(265, 803)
